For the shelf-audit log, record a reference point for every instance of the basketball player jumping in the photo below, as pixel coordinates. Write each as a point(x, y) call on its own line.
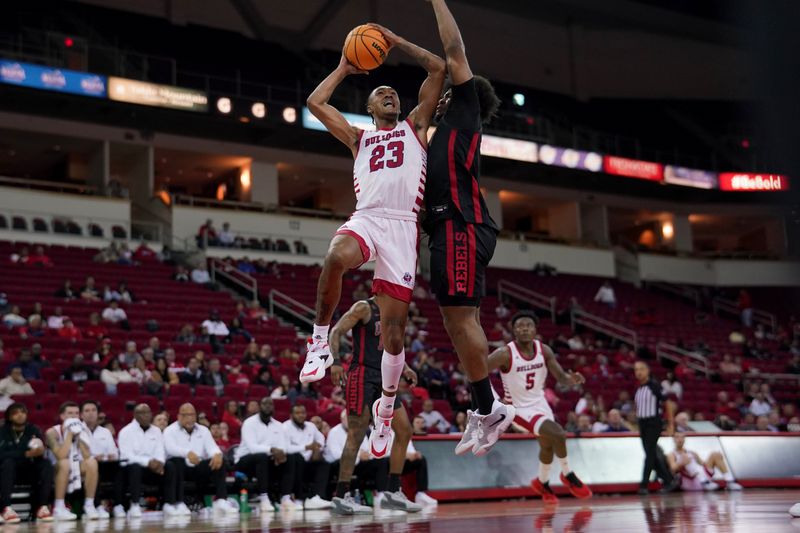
point(389, 180)
point(524, 364)
point(462, 233)
point(363, 388)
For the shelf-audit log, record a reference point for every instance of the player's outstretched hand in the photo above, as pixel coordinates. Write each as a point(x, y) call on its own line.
point(391, 37)
point(410, 375)
point(576, 378)
point(338, 377)
point(348, 68)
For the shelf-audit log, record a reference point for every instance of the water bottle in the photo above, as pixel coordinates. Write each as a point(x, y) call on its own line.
point(357, 497)
point(244, 502)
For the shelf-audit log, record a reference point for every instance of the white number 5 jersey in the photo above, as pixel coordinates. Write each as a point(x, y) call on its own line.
point(389, 172)
point(525, 379)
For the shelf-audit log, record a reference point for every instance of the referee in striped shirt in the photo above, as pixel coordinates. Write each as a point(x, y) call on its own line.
point(648, 412)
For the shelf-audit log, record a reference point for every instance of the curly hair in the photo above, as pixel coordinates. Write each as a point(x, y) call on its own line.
point(488, 100)
point(524, 314)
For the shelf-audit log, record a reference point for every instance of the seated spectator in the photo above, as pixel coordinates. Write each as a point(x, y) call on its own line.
point(187, 335)
point(245, 265)
point(140, 373)
point(334, 403)
point(201, 276)
point(460, 424)
point(130, 355)
point(231, 417)
point(499, 335)
point(192, 374)
point(576, 343)
point(728, 368)
point(165, 374)
point(255, 311)
point(207, 235)
point(113, 374)
point(761, 405)
point(67, 441)
point(31, 368)
point(20, 258)
point(281, 392)
point(615, 423)
point(436, 378)
point(360, 293)
point(34, 329)
point(762, 423)
point(302, 390)
point(418, 426)
point(142, 456)
point(161, 420)
point(250, 355)
point(264, 377)
point(192, 457)
point(670, 385)
point(103, 449)
point(220, 437)
point(433, 419)
point(625, 358)
point(69, 331)
point(23, 460)
point(236, 329)
point(125, 294)
point(39, 258)
point(502, 311)
point(13, 319)
point(584, 424)
point(95, 329)
point(585, 404)
point(235, 375)
point(56, 320)
point(226, 237)
point(304, 445)
point(14, 384)
point(89, 291)
point(419, 344)
point(66, 291)
point(262, 454)
point(116, 315)
point(287, 354)
point(181, 274)
point(214, 376)
point(79, 371)
point(110, 295)
point(216, 330)
point(605, 295)
point(144, 253)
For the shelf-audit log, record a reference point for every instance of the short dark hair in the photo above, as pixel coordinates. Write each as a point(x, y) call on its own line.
point(13, 408)
point(84, 403)
point(488, 100)
point(65, 405)
point(524, 314)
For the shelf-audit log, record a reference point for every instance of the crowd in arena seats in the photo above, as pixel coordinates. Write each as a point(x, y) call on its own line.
point(208, 235)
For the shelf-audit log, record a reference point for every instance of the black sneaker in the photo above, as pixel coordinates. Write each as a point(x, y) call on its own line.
point(643, 491)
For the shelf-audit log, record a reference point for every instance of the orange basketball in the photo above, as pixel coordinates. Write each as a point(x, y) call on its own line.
point(365, 48)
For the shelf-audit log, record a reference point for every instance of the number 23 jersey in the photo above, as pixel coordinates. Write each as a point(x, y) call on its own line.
point(389, 172)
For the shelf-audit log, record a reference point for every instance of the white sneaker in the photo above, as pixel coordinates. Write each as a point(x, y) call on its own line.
point(491, 426)
point(425, 500)
point(381, 434)
point(290, 504)
point(170, 510)
point(348, 506)
point(183, 509)
point(118, 511)
point(318, 360)
point(732, 485)
point(397, 501)
point(64, 515)
point(90, 512)
point(225, 507)
point(470, 435)
point(316, 503)
point(795, 510)
point(377, 498)
point(710, 486)
point(102, 514)
point(134, 512)
point(265, 505)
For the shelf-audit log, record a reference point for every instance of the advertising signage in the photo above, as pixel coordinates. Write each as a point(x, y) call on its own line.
point(747, 181)
point(569, 158)
point(358, 121)
point(52, 79)
point(690, 177)
point(633, 168)
point(152, 94)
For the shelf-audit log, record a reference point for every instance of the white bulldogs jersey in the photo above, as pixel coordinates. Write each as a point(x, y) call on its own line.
point(524, 382)
point(389, 172)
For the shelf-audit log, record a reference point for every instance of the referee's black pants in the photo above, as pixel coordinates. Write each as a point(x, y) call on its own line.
point(649, 432)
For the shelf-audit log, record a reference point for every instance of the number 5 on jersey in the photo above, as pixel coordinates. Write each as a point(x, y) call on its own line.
point(394, 160)
point(530, 380)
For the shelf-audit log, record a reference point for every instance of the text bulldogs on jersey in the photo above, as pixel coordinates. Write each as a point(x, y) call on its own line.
point(375, 139)
point(525, 368)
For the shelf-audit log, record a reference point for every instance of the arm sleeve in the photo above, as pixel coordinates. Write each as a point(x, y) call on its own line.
point(464, 111)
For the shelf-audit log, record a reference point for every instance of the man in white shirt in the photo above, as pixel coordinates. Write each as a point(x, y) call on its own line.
point(304, 444)
point(262, 453)
point(201, 276)
point(192, 455)
point(605, 295)
point(433, 418)
point(216, 330)
point(760, 406)
point(104, 450)
point(226, 236)
point(56, 320)
point(114, 313)
point(141, 453)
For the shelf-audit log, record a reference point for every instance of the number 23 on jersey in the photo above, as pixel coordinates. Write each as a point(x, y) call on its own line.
point(389, 156)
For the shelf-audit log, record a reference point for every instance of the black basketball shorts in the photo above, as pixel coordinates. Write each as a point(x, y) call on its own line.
point(364, 386)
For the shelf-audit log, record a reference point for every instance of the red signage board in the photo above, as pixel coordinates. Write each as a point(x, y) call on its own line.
point(633, 168)
point(748, 181)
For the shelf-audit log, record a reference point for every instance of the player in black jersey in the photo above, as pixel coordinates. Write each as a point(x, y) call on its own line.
point(363, 385)
point(462, 232)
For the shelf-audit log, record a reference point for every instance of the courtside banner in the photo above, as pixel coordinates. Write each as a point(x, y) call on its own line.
point(633, 168)
point(358, 121)
point(690, 177)
point(52, 79)
point(515, 149)
point(746, 181)
point(152, 94)
point(569, 158)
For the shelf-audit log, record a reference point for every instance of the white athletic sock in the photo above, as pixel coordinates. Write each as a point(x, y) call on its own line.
point(728, 476)
point(391, 370)
point(59, 504)
point(286, 498)
point(89, 503)
point(321, 331)
point(544, 472)
point(264, 497)
point(564, 465)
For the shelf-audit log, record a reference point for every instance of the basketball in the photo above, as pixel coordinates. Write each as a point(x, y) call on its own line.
point(365, 48)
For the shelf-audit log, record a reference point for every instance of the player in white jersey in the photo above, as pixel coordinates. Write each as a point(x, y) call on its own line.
point(524, 364)
point(695, 473)
point(389, 180)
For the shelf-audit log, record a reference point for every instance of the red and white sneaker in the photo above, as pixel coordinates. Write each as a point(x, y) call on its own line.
point(540, 489)
point(10, 516)
point(44, 514)
point(318, 360)
point(381, 435)
point(576, 486)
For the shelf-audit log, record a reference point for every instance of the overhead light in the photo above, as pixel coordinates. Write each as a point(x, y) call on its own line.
point(667, 230)
point(224, 105)
point(290, 115)
point(222, 190)
point(519, 99)
point(244, 178)
point(259, 110)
